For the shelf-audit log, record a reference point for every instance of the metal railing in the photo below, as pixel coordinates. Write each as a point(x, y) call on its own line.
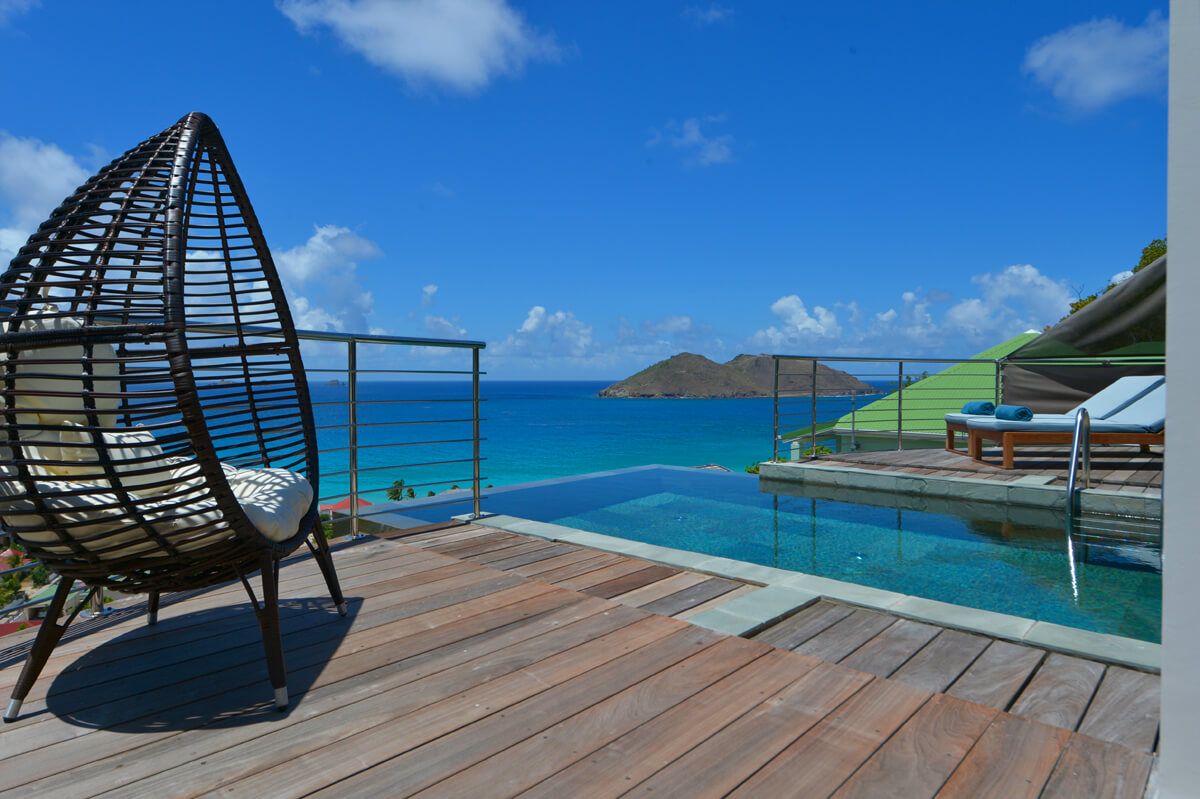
point(1081, 450)
point(384, 411)
point(364, 468)
point(898, 408)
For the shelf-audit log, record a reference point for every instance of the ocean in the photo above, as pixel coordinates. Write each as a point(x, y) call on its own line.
point(534, 430)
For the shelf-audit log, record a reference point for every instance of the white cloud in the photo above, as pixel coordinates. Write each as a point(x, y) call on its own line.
point(326, 267)
point(441, 189)
point(11, 8)
point(460, 44)
point(673, 324)
point(428, 293)
point(1008, 301)
point(1120, 277)
point(797, 327)
point(441, 327)
point(703, 16)
point(34, 178)
point(699, 148)
point(1100, 62)
point(544, 334)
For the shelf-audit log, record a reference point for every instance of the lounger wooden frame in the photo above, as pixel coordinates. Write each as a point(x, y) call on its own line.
point(1011, 439)
point(160, 259)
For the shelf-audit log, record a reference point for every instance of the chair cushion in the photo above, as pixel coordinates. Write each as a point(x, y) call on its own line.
point(275, 500)
point(35, 375)
point(135, 454)
point(185, 513)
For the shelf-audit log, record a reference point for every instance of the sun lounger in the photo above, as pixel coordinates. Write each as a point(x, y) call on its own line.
point(1101, 405)
point(1141, 422)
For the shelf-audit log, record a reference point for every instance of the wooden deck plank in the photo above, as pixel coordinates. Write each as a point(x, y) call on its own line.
point(1094, 769)
point(633, 757)
point(102, 710)
point(1125, 709)
point(822, 758)
point(348, 679)
point(456, 674)
point(418, 749)
point(545, 553)
point(942, 660)
point(691, 597)
point(918, 759)
point(847, 635)
point(562, 573)
point(1012, 760)
point(622, 567)
point(510, 552)
point(892, 648)
point(315, 752)
point(527, 762)
point(725, 760)
point(536, 568)
point(1060, 691)
point(717, 602)
point(997, 675)
point(221, 652)
point(631, 581)
point(803, 625)
point(661, 589)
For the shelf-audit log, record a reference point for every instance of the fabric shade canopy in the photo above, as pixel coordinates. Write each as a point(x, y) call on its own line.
point(1122, 332)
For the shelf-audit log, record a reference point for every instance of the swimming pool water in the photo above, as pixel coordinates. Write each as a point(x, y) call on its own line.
point(976, 554)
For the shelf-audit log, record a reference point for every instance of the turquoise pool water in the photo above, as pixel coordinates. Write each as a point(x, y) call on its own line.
point(982, 556)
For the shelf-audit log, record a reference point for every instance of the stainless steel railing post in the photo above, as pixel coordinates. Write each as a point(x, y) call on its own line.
point(812, 452)
point(775, 410)
point(1081, 445)
point(900, 405)
point(475, 511)
point(352, 429)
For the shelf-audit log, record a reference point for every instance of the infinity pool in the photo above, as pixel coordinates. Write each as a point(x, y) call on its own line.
point(981, 555)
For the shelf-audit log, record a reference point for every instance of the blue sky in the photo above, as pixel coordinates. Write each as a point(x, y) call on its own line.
point(590, 186)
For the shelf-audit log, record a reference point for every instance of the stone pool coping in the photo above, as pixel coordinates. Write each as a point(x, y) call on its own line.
point(785, 592)
point(1030, 490)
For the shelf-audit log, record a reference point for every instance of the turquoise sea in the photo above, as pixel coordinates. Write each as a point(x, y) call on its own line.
point(534, 430)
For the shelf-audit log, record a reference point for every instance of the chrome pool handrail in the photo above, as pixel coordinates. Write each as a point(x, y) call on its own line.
point(1081, 450)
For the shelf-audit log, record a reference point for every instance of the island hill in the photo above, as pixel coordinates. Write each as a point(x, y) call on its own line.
point(694, 376)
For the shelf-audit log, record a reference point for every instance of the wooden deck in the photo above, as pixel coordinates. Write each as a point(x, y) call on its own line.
point(454, 677)
point(1113, 468)
point(1111, 703)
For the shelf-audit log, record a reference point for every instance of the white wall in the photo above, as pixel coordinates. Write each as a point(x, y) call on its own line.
point(1179, 769)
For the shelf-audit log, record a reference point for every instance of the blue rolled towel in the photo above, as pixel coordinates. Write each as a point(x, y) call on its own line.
point(1014, 413)
point(979, 408)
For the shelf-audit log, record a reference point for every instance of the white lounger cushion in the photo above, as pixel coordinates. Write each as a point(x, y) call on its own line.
point(275, 500)
point(66, 376)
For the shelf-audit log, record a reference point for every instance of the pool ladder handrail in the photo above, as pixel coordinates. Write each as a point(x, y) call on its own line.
point(1081, 450)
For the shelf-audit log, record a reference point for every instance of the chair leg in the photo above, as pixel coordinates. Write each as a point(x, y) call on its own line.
point(268, 620)
point(152, 609)
point(324, 558)
point(1009, 459)
point(949, 440)
point(48, 636)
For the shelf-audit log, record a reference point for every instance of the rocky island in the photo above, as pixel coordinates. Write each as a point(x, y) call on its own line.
point(688, 375)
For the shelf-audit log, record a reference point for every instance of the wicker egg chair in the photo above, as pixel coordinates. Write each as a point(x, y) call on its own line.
point(156, 414)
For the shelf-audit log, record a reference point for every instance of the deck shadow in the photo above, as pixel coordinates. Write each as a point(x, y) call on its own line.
point(214, 686)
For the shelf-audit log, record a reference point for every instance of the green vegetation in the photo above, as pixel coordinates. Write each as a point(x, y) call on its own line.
point(1150, 253)
point(752, 469)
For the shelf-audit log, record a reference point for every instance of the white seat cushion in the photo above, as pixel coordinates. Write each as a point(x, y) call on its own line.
point(135, 455)
point(275, 500)
point(34, 375)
